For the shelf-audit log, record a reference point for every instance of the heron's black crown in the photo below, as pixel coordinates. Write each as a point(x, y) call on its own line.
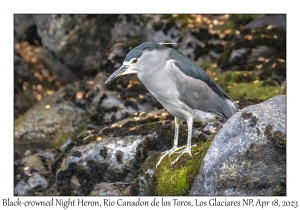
point(139, 50)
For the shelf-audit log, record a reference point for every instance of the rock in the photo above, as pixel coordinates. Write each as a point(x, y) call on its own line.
point(37, 180)
point(77, 41)
point(127, 26)
point(33, 162)
point(108, 159)
point(167, 179)
point(21, 188)
point(34, 181)
point(188, 45)
point(25, 28)
point(118, 99)
point(157, 28)
point(237, 53)
point(42, 123)
point(63, 74)
point(32, 172)
point(51, 121)
point(110, 189)
point(246, 154)
point(274, 20)
point(113, 102)
point(23, 99)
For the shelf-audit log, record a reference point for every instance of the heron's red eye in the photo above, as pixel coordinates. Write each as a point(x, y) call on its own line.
point(135, 60)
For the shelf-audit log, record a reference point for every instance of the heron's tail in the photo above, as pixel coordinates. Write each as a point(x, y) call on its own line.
point(232, 106)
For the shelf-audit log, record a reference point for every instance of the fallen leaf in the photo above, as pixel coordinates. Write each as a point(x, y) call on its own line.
point(79, 95)
point(150, 115)
point(260, 59)
point(215, 22)
point(90, 82)
point(142, 114)
point(258, 66)
point(134, 128)
point(227, 31)
point(38, 97)
point(274, 65)
point(50, 92)
point(248, 37)
point(115, 125)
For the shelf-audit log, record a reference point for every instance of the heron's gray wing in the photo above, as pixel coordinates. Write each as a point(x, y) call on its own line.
point(191, 69)
point(196, 89)
point(198, 95)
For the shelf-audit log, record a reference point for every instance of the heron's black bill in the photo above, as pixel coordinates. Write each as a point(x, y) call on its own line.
point(117, 73)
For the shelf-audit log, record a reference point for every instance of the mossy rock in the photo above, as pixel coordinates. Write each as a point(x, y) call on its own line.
point(178, 179)
point(171, 180)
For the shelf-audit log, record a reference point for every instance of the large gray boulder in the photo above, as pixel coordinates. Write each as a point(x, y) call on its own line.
point(248, 155)
point(77, 41)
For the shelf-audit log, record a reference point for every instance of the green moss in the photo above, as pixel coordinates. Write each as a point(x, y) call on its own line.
point(64, 137)
point(207, 65)
point(178, 178)
point(172, 182)
point(245, 85)
point(252, 91)
point(283, 89)
point(231, 78)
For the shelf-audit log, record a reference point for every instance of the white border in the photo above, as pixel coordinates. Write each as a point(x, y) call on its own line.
point(153, 6)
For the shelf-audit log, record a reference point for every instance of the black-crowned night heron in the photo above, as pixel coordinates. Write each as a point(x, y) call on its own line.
point(181, 86)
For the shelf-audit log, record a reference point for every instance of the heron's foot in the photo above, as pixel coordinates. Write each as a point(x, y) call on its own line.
point(186, 150)
point(168, 152)
point(174, 150)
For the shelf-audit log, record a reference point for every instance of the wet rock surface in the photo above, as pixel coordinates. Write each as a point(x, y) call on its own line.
point(248, 155)
point(103, 160)
point(32, 172)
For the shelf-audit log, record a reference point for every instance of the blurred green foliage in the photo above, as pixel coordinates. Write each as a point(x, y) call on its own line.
point(241, 84)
